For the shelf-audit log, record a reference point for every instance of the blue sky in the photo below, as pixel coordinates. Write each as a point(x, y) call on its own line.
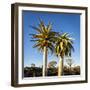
point(61, 23)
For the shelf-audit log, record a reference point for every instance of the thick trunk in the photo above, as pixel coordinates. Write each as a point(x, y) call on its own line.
point(45, 62)
point(60, 67)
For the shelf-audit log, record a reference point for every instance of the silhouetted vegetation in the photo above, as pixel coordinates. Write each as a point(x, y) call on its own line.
point(37, 71)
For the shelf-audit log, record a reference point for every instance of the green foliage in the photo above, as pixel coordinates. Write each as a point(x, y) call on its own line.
point(44, 36)
point(37, 71)
point(32, 65)
point(52, 64)
point(63, 45)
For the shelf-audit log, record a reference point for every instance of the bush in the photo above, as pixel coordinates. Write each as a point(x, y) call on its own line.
point(37, 71)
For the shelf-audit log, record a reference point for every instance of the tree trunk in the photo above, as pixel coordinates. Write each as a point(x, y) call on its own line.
point(45, 62)
point(60, 67)
point(70, 70)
